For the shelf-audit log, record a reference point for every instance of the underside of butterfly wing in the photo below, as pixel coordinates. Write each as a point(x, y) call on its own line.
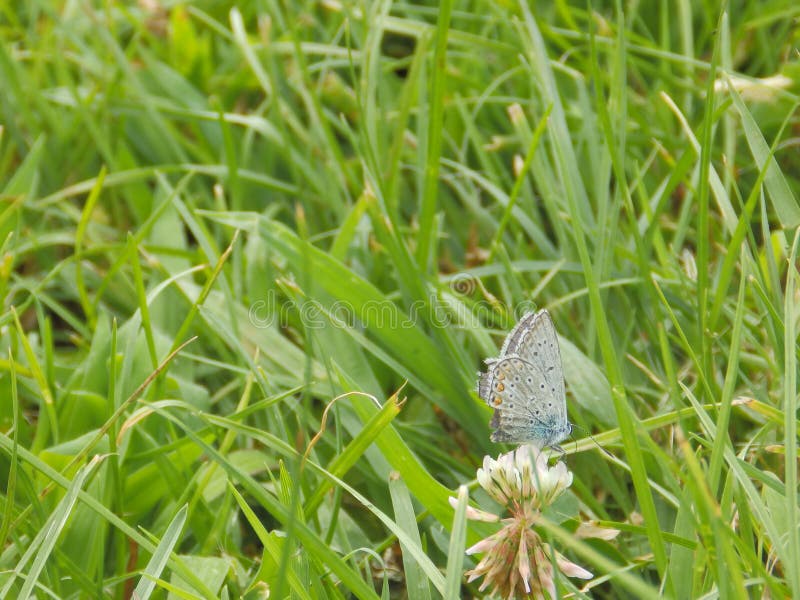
point(526, 407)
point(525, 385)
point(514, 427)
point(534, 340)
point(485, 381)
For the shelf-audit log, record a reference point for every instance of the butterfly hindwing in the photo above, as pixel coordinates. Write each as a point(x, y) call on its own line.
point(519, 428)
point(526, 408)
point(485, 381)
point(512, 383)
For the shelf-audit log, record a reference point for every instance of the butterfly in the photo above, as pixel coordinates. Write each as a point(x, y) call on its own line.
point(525, 386)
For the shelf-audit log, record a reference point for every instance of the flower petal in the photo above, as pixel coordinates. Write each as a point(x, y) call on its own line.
point(524, 565)
point(570, 569)
point(476, 514)
point(481, 547)
point(590, 530)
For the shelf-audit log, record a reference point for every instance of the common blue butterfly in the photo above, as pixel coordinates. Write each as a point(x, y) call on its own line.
point(525, 386)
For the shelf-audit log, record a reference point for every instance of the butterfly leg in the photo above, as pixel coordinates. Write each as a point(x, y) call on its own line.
point(561, 452)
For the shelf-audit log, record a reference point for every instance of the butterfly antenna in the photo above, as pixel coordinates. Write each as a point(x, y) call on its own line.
point(592, 438)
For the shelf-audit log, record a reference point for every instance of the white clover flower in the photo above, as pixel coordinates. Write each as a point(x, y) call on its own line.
point(516, 560)
point(523, 478)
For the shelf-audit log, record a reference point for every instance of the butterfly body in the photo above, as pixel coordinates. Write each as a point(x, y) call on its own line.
point(525, 385)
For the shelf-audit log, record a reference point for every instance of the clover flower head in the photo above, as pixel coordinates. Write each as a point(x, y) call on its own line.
point(523, 478)
point(516, 560)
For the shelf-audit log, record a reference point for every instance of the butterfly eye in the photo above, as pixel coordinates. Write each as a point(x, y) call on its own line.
point(541, 386)
point(530, 380)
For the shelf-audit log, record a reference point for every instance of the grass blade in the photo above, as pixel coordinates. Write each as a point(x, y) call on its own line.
point(158, 561)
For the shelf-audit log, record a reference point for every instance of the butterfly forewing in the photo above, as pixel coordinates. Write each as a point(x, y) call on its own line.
point(534, 340)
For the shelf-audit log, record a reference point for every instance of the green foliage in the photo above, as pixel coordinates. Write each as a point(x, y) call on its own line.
point(229, 237)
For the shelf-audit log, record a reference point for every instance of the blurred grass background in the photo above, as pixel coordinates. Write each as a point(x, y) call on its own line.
point(332, 199)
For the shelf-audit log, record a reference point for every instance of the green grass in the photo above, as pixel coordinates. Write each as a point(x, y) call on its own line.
point(215, 221)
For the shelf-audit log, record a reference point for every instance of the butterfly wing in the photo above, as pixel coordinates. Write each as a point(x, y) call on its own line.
point(534, 340)
point(526, 406)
